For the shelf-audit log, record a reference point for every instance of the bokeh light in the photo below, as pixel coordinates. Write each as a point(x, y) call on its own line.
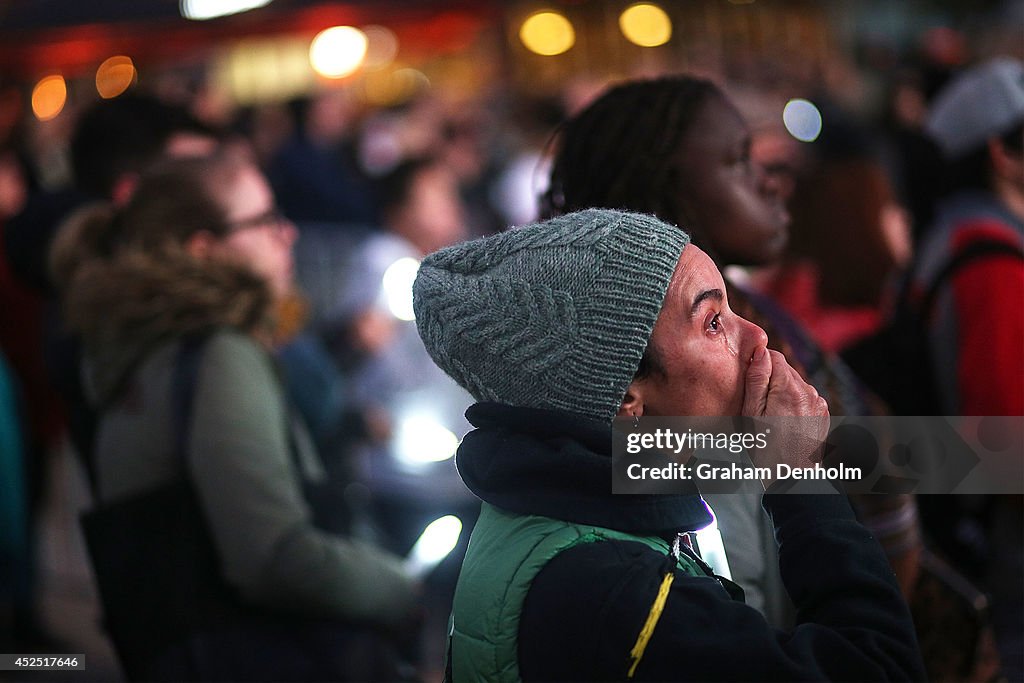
point(49, 96)
point(338, 51)
point(381, 46)
point(201, 10)
point(421, 439)
point(434, 544)
point(802, 119)
point(114, 76)
point(387, 88)
point(547, 33)
point(257, 70)
point(645, 24)
point(397, 286)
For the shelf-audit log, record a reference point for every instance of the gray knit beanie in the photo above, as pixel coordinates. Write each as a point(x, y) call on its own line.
point(556, 314)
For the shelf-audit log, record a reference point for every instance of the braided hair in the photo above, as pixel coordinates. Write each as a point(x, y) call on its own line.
point(621, 151)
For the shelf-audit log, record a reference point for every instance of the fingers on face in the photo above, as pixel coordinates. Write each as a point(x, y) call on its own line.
point(822, 407)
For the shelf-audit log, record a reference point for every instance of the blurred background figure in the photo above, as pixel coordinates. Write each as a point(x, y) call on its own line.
point(913, 159)
point(971, 264)
point(314, 173)
point(411, 411)
point(35, 422)
point(365, 318)
point(112, 143)
point(522, 181)
point(29, 420)
point(386, 418)
point(15, 567)
point(849, 236)
point(173, 295)
point(422, 212)
point(978, 122)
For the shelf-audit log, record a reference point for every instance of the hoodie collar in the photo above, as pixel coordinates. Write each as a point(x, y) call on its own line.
point(558, 464)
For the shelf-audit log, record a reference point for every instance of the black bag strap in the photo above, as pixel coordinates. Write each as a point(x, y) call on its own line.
point(183, 391)
point(974, 251)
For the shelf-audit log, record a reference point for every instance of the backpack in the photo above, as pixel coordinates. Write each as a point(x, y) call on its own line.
point(895, 362)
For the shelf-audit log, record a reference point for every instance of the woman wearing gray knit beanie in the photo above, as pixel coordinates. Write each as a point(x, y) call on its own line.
point(556, 328)
point(678, 148)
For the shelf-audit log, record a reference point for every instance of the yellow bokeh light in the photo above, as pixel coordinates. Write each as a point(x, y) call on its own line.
point(645, 25)
point(388, 88)
point(547, 33)
point(48, 97)
point(257, 70)
point(338, 51)
point(114, 76)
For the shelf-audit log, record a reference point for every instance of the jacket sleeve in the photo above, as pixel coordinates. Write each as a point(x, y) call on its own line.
point(251, 494)
point(586, 608)
point(989, 296)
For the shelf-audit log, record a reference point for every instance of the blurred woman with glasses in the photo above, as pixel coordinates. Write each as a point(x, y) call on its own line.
point(174, 297)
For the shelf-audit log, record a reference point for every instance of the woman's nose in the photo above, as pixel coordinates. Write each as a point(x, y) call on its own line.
point(774, 180)
point(754, 337)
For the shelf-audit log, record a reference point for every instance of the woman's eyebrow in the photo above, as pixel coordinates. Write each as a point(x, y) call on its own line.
point(715, 294)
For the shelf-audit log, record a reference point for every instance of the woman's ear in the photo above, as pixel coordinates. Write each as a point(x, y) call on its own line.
point(200, 244)
point(633, 403)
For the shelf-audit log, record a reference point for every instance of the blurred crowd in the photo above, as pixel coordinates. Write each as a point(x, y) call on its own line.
point(274, 250)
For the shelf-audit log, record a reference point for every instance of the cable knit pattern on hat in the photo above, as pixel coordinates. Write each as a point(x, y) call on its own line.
point(555, 314)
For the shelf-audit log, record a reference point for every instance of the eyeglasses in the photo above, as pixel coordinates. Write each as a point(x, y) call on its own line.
point(272, 217)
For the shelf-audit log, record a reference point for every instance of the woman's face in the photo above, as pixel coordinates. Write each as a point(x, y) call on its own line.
point(737, 208)
point(260, 236)
point(703, 348)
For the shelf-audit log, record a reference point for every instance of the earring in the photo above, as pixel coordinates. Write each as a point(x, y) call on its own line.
point(636, 421)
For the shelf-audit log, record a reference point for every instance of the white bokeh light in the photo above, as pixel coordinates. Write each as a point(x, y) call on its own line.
point(802, 119)
point(434, 544)
point(421, 439)
point(397, 287)
point(201, 10)
point(338, 51)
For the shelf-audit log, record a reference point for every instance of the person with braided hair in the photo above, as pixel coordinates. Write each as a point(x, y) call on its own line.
point(559, 327)
point(677, 148)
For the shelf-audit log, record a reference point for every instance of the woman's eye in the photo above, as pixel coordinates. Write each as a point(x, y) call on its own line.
point(715, 323)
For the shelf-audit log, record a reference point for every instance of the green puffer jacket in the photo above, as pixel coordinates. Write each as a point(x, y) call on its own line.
point(505, 554)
